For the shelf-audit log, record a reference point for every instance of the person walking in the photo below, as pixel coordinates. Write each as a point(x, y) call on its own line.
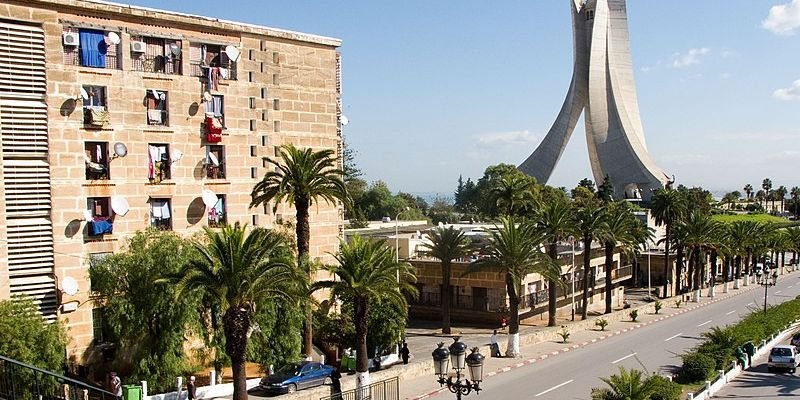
point(495, 348)
point(404, 353)
point(336, 384)
point(116, 385)
point(191, 389)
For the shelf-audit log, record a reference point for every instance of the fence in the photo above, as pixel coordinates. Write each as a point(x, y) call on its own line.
point(20, 381)
point(388, 389)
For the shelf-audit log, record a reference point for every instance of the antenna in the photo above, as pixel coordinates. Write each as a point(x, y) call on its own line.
point(84, 94)
point(209, 198)
point(232, 52)
point(120, 150)
point(113, 37)
point(119, 205)
point(175, 50)
point(207, 96)
point(69, 285)
point(344, 120)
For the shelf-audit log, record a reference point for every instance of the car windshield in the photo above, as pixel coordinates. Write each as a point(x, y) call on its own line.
point(781, 352)
point(290, 369)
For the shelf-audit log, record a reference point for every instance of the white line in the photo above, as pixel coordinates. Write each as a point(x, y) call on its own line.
point(730, 312)
point(750, 304)
point(555, 387)
point(704, 323)
point(623, 358)
point(672, 337)
point(778, 291)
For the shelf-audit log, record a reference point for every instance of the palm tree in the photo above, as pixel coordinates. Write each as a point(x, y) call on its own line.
point(446, 245)
point(737, 235)
point(668, 207)
point(780, 193)
point(367, 272)
point(555, 223)
point(240, 271)
point(748, 189)
point(701, 235)
point(766, 184)
point(761, 196)
point(794, 240)
point(628, 385)
point(615, 231)
point(588, 220)
point(514, 251)
point(300, 178)
point(513, 194)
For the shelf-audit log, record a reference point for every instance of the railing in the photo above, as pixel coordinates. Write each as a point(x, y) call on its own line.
point(464, 302)
point(158, 117)
point(215, 172)
point(20, 381)
point(157, 63)
point(227, 72)
point(388, 389)
point(164, 224)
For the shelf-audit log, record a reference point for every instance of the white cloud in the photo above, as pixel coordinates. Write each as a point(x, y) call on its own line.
point(783, 19)
point(512, 138)
point(687, 159)
point(790, 93)
point(691, 57)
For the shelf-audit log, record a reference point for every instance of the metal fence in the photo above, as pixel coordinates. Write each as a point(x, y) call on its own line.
point(388, 389)
point(20, 381)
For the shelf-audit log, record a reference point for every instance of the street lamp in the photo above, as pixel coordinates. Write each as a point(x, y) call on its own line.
point(397, 238)
point(456, 355)
point(766, 282)
point(572, 275)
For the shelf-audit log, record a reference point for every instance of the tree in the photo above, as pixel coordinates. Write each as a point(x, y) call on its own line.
point(634, 385)
point(766, 184)
point(367, 273)
point(605, 192)
point(588, 219)
point(748, 189)
point(616, 230)
point(241, 271)
point(668, 207)
point(446, 245)
point(780, 193)
point(442, 211)
point(491, 180)
point(148, 322)
point(302, 177)
point(514, 251)
point(702, 235)
point(514, 194)
point(26, 337)
point(554, 222)
point(795, 193)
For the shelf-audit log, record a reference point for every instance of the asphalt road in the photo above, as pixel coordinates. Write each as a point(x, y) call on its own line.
point(757, 383)
point(655, 348)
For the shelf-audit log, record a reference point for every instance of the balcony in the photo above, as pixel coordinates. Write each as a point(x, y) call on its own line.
point(158, 64)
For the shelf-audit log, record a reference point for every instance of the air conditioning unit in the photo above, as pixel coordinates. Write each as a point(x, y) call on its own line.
point(138, 47)
point(71, 39)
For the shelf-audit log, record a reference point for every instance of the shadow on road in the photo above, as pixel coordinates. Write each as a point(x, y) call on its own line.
point(785, 384)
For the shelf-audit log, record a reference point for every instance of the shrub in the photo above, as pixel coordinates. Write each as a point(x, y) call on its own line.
point(664, 389)
point(564, 333)
point(658, 306)
point(678, 303)
point(697, 367)
point(634, 314)
point(602, 323)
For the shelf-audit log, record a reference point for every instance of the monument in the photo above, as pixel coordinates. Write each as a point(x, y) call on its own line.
point(603, 86)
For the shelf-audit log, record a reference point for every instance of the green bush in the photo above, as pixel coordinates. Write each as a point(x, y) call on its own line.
point(658, 306)
point(664, 389)
point(634, 314)
point(697, 367)
point(602, 323)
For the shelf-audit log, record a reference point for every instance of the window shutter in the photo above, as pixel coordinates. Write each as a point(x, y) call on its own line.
point(22, 60)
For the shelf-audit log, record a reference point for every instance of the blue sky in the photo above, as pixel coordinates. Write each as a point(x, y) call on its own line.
point(434, 89)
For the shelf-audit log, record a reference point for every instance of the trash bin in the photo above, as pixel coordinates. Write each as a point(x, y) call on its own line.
point(131, 392)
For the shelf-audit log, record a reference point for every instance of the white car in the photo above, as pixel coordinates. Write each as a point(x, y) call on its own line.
point(783, 356)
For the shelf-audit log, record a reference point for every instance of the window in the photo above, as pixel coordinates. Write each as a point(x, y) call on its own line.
point(211, 62)
point(96, 259)
point(100, 328)
point(216, 214)
point(253, 151)
point(95, 106)
point(215, 108)
point(160, 214)
point(589, 15)
point(276, 104)
point(157, 108)
point(149, 54)
point(215, 161)
point(158, 167)
point(102, 220)
point(90, 48)
point(96, 160)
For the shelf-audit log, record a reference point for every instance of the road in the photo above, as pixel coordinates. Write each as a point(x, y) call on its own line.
point(757, 383)
point(656, 348)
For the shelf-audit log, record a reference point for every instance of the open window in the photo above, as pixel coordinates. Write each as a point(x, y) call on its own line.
point(215, 162)
point(161, 214)
point(159, 163)
point(215, 118)
point(211, 61)
point(157, 107)
point(102, 218)
point(96, 160)
point(91, 48)
point(95, 106)
point(151, 54)
point(217, 214)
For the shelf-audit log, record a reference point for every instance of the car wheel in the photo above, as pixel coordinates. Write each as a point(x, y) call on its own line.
point(327, 381)
point(769, 369)
point(292, 388)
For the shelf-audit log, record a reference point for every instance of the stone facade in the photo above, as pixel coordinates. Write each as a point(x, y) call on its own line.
point(284, 88)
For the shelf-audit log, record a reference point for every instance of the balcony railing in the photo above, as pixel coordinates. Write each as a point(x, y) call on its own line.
point(159, 64)
point(164, 224)
point(464, 302)
point(215, 172)
point(227, 72)
point(158, 117)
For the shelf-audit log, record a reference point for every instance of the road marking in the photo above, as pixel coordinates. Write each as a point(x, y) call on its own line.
point(790, 286)
point(623, 358)
point(730, 312)
point(778, 291)
point(555, 387)
point(672, 337)
point(750, 304)
point(704, 323)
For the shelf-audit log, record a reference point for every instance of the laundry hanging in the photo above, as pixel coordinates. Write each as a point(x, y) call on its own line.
point(93, 48)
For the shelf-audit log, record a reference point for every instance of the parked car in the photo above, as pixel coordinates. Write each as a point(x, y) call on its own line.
point(783, 356)
point(796, 340)
point(293, 377)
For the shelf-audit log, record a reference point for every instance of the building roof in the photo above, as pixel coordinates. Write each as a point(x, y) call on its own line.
point(190, 19)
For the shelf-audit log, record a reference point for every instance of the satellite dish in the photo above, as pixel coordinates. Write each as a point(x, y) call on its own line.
point(120, 150)
point(87, 215)
point(155, 94)
point(176, 155)
point(84, 94)
point(119, 205)
point(175, 50)
point(207, 96)
point(69, 285)
point(232, 52)
point(213, 158)
point(113, 37)
point(343, 119)
point(209, 198)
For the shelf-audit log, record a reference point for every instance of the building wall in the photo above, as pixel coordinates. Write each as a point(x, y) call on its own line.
point(287, 91)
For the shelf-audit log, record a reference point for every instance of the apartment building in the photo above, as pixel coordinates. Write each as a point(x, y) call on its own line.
point(115, 118)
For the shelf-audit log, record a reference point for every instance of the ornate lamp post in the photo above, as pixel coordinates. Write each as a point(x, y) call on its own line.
point(766, 282)
point(456, 355)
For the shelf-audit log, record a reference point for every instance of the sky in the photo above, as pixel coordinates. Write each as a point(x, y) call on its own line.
point(438, 89)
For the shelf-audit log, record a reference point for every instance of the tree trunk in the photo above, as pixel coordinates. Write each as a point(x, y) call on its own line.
point(679, 267)
point(712, 282)
point(609, 251)
point(446, 296)
point(692, 268)
point(587, 259)
point(360, 317)
point(667, 265)
point(552, 294)
point(512, 349)
point(236, 323)
point(303, 232)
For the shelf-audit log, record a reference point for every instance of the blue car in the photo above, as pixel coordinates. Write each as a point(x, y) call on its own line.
point(294, 377)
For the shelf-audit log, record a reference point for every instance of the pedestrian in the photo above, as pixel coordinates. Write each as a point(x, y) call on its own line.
point(494, 347)
point(503, 323)
point(404, 353)
point(191, 389)
point(116, 385)
point(336, 384)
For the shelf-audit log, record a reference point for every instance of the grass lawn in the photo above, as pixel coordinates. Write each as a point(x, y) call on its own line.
point(762, 218)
